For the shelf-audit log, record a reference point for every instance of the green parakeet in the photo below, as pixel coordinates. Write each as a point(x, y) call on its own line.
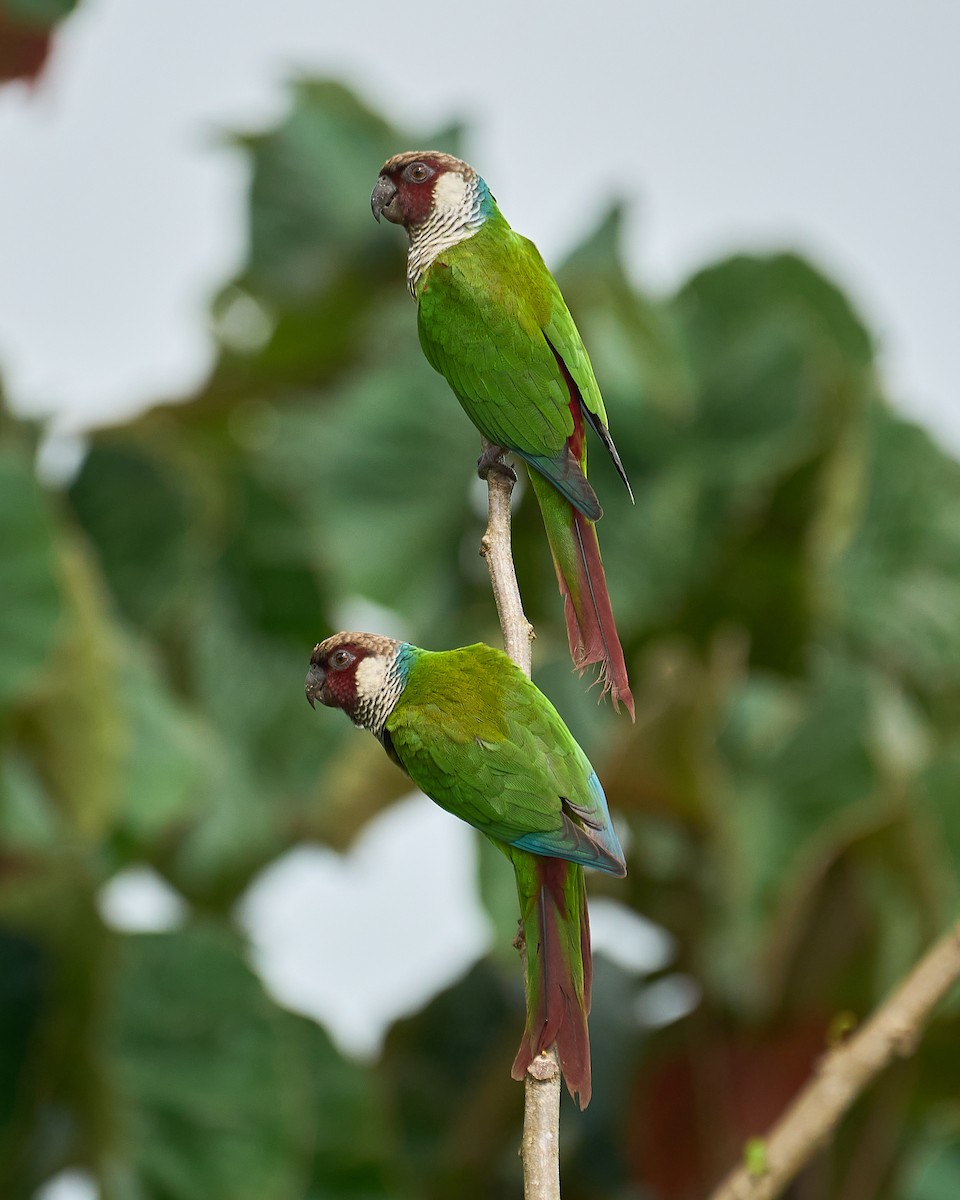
point(492, 321)
point(485, 743)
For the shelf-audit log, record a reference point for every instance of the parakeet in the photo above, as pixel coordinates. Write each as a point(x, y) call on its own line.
point(478, 737)
point(492, 321)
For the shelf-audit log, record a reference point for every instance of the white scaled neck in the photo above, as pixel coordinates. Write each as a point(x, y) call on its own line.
point(457, 214)
point(380, 681)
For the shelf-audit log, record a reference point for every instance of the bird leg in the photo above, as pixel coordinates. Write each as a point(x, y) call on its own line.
point(492, 460)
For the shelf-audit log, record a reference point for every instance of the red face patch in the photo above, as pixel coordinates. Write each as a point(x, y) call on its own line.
point(415, 181)
point(339, 666)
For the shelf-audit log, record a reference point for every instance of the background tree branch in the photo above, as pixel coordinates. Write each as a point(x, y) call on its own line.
point(540, 1144)
point(893, 1030)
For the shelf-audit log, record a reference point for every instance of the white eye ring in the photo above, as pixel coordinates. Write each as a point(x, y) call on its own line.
point(341, 659)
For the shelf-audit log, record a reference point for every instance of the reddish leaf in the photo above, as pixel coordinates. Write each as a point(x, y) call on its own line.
point(685, 1141)
point(23, 50)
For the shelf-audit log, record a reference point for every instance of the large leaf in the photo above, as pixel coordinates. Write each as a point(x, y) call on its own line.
point(895, 588)
point(212, 1092)
point(142, 516)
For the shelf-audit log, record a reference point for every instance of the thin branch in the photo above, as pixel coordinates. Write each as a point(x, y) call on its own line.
point(540, 1144)
point(893, 1031)
point(495, 548)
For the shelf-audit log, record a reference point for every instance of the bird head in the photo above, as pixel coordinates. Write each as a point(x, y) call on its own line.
point(418, 184)
point(354, 672)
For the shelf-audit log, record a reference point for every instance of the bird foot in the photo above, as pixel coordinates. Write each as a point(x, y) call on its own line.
point(491, 460)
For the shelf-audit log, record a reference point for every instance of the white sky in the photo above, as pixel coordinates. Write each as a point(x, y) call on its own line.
point(828, 125)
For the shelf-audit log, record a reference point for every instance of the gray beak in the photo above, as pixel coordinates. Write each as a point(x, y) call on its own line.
point(383, 197)
point(316, 677)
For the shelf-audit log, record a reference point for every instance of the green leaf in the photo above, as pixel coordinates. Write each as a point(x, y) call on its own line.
point(212, 1092)
point(172, 763)
point(354, 1147)
point(141, 514)
point(934, 1173)
point(76, 729)
point(393, 488)
point(498, 892)
point(52, 957)
point(457, 1107)
point(31, 607)
point(267, 564)
point(39, 12)
point(894, 590)
point(23, 985)
point(28, 817)
point(312, 178)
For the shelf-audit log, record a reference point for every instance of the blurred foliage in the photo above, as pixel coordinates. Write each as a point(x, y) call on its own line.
point(786, 587)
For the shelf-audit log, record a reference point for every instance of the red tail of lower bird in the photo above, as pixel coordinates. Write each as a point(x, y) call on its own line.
point(591, 629)
point(556, 930)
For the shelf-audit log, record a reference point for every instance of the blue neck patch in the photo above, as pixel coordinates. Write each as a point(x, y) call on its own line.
point(487, 204)
point(404, 660)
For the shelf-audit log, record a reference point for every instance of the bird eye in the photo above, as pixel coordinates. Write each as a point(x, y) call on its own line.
point(340, 659)
point(418, 172)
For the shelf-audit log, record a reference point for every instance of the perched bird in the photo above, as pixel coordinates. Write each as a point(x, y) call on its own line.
point(492, 321)
point(474, 734)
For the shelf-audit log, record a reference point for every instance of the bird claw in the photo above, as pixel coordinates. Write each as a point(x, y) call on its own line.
point(491, 460)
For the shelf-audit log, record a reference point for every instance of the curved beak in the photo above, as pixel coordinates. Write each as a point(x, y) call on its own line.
point(316, 678)
point(382, 198)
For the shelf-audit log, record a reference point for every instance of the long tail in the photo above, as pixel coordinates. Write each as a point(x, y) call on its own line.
point(591, 630)
point(553, 909)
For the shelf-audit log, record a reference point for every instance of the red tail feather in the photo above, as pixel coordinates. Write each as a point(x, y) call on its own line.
point(592, 632)
point(559, 971)
point(591, 629)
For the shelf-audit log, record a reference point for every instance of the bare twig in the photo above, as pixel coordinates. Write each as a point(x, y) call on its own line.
point(893, 1030)
point(495, 548)
point(540, 1145)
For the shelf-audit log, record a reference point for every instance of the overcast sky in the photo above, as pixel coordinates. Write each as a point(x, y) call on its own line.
point(828, 125)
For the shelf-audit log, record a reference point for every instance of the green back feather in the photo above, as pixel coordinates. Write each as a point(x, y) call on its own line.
point(485, 743)
point(487, 307)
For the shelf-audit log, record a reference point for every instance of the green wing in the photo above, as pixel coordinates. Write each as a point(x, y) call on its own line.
point(490, 318)
point(485, 743)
